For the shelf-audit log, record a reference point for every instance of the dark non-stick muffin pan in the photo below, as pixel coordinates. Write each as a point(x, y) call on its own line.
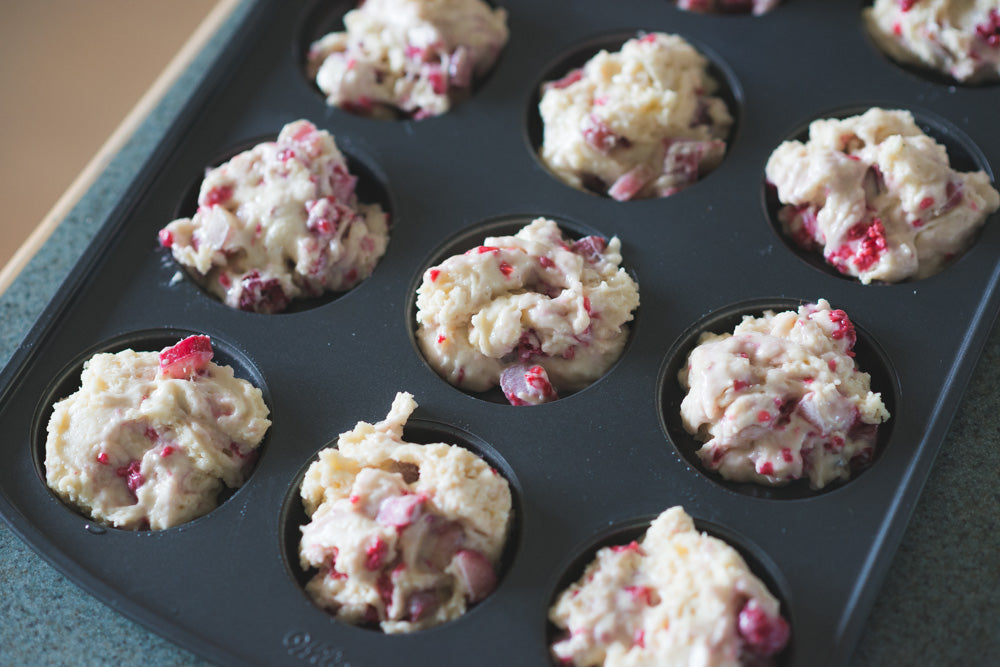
point(589, 469)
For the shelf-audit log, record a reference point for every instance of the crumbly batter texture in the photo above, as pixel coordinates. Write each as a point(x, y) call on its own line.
point(149, 439)
point(780, 399)
point(278, 222)
point(637, 123)
point(960, 38)
point(417, 57)
point(548, 311)
point(878, 197)
point(403, 535)
point(755, 7)
point(678, 597)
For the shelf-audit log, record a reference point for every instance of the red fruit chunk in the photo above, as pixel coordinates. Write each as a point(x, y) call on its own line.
point(506, 269)
point(385, 587)
point(261, 296)
point(217, 195)
point(433, 274)
point(527, 385)
point(102, 458)
point(476, 574)
point(631, 546)
point(400, 511)
point(989, 31)
point(601, 137)
point(567, 80)
point(629, 184)
point(845, 328)
point(545, 262)
point(926, 203)
point(763, 634)
point(643, 594)
point(422, 604)
point(166, 238)
point(375, 554)
point(132, 475)
point(590, 247)
point(167, 451)
point(766, 468)
point(907, 5)
point(187, 358)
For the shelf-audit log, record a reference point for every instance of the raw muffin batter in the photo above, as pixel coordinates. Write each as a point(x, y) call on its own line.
point(150, 438)
point(678, 597)
point(403, 535)
point(960, 38)
point(780, 399)
point(755, 7)
point(640, 122)
point(550, 311)
point(415, 56)
point(878, 197)
point(278, 222)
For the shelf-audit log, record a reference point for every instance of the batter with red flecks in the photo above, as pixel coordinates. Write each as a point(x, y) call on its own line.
point(535, 313)
point(780, 399)
point(149, 439)
point(678, 597)
point(401, 535)
point(878, 197)
point(637, 123)
point(755, 7)
point(414, 57)
point(279, 222)
point(960, 38)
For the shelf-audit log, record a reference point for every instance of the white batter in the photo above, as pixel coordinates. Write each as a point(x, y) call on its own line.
point(960, 38)
point(878, 197)
point(532, 299)
point(278, 222)
point(678, 597)
point(403, 535)
point(150, 438)
point(640, 122)
point(780, 399)
point(415, 56)
point(755, 7)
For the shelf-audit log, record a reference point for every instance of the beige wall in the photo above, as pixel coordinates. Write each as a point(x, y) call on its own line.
point(70, 71)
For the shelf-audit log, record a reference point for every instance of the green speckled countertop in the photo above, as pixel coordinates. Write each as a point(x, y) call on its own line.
point(939, 604)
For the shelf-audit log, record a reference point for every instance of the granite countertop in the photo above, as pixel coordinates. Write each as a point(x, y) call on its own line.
point(939, 603)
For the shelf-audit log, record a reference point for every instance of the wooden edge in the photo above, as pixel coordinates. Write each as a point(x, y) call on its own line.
point(198, 39)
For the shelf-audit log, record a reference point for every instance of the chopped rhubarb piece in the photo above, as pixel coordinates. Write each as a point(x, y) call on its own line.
point(433, 274)
point(132, 475)
point(167, 451)
point(629, 184)
point(400, 511)
point(261, 296)
point(566, 81)
point(375, 554)
point(422, 604)
point(764, 635)
point(476, 574)
point(926, 203)
point(506, 269)
point(527, 385)
point(766, 468)
point(599, 135)
point(217, 195)
point(590, 247)
point(166, 238)
point(102, 458)
point(187, 358)
point(631, 546)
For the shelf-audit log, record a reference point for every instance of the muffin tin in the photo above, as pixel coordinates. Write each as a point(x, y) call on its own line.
point(589, 469)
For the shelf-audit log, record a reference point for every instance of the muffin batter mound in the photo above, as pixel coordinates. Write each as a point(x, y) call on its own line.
point(780, 399)
point(417, 57)
point(641, 122)
point(878, 197)
point(550, 310)
point(678, 597)
point(278, 222)
point(403, 535)
point(960, 38)
point(150, 438)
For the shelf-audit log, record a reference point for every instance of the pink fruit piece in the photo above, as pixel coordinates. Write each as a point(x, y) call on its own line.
point(260, 295)
point(166, 238)
point(400, 511)
point(566, 81)
point(217, 195)
point(422, 604)
point(375, 554)
point(187, 358)
point(590, 247)
point(527, 385)
point(132, 476)
point(599, 136)
point(629, 184)
point(764, 635)
point(476, 574)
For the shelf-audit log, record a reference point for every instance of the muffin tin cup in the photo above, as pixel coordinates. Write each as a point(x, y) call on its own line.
point(599, 458)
